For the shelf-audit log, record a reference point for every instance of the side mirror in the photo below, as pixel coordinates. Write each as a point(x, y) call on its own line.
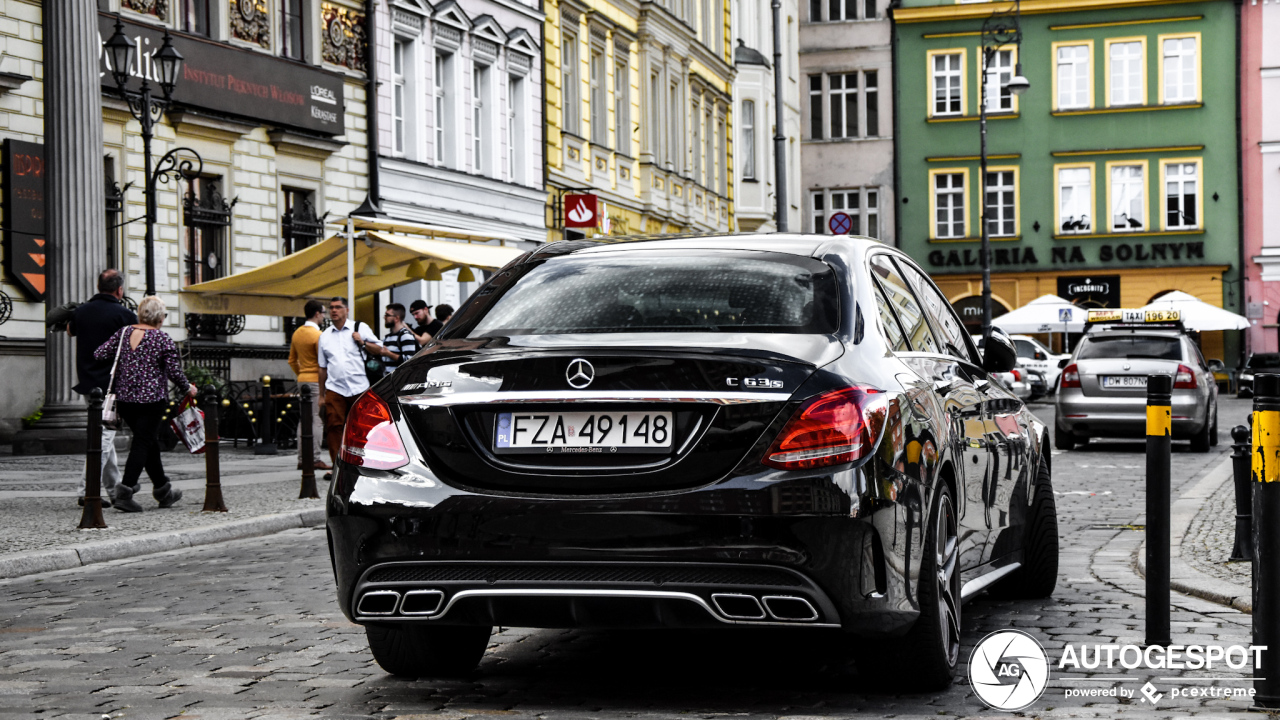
point(1216, 365)
point(1064, 362)
point(999, 354)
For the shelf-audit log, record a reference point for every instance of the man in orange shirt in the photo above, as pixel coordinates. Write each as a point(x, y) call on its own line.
point(302, 358)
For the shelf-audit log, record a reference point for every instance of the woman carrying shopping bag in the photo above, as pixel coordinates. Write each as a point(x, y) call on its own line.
point(147, 359)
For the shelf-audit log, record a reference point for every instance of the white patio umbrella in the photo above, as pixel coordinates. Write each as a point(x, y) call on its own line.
point(1198, 314)
point(1045, 314)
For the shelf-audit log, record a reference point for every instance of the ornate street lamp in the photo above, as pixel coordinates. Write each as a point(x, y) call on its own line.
point(999, 30)
point(147, 109)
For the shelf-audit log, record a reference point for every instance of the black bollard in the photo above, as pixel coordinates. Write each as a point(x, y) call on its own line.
point(211, 406)
point(92, 518)
point(1240, 461)
point(306, 445)
point(1159, 446)
point(1266, 538)
point(266, 438)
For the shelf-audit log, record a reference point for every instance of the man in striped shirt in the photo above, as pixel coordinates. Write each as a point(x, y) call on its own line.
point(399, 344)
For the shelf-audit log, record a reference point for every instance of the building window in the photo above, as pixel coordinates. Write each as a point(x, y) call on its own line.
point(206, 218)
point(869, 10)
point(748, 150)
point(815, 107)
point(299, 226)
point(819, 214)
point(443, 107)
point(1181, 195)
point(195, 17)
point(398, 98)
point(1180, 70)
point(515, 149)
point(871, 93)
point(599, 124)
point(838, 10)
point(1075, 199)
point(695, 146)
point(569, 83)
point(722, 154)
point(862, 205)
point(1002, 202)
point(871, 215)
point(949, 215)
point(843, 101)
point(622, 104)
point(675, 150)
point(815, 11)
point(948, 83)
point(292, 44)
point(1074, 79)
point(1127, 72)
point(655, 116)
point(1128, 197)
point(479, 120)
point(999, 73)
point(115, 213)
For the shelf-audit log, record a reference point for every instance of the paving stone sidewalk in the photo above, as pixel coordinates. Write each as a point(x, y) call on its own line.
point(1208, 543)
point(39, 510)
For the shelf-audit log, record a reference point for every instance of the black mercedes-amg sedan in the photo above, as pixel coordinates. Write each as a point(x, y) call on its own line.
point(731, 432)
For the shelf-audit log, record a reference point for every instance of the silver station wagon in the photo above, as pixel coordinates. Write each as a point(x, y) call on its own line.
point(1103, 389)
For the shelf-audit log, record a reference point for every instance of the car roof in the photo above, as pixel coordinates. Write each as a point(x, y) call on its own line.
point(802, 244)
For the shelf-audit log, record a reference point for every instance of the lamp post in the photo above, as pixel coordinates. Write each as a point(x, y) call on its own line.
point(999, 30)
point(779, 118)
point(166, 66)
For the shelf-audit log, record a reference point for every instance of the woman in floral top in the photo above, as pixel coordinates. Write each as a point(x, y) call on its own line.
point(148, 360)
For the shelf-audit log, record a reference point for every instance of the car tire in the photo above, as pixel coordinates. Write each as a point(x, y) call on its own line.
point(414, 651)
point(1063, 439)
point(925, 658)
point(1038, 575)
point(1213, 434)
point(1201, 441)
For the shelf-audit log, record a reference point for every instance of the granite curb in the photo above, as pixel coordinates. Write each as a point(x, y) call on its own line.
point(40, 561)
point(1182, 576)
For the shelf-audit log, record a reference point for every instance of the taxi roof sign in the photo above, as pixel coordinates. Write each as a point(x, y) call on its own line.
point(1123, 315)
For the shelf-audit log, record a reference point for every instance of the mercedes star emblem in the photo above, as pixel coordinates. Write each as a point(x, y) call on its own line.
point(580, 373)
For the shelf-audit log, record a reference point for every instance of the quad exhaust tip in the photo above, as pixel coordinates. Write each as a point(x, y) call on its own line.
point(738, 607)
point(790, 609)
point(378, 602)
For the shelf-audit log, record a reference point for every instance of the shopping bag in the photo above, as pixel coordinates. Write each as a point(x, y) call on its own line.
point(188, 425)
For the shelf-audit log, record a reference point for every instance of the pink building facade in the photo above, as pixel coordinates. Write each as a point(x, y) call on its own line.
point(1260, 163)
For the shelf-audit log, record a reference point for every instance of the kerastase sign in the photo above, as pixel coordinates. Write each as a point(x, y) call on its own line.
point(23, 178)
point(233, 80)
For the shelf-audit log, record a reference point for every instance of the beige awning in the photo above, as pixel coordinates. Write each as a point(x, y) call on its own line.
point(282, 287)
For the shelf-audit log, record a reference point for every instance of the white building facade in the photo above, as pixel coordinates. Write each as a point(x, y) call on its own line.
point(755, 104)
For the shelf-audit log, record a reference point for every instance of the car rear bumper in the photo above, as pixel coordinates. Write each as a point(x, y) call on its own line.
point(1125, 416)
point(797, 554)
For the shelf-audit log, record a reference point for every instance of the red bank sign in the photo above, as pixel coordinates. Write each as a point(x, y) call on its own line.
point(234, 80)
point(581, 211)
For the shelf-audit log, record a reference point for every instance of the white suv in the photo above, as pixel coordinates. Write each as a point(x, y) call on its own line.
point(1032, 355)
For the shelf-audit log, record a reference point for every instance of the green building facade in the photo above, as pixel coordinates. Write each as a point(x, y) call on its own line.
point(1112, 180)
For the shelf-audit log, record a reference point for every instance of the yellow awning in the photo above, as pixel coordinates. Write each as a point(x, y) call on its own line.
point(281, 287)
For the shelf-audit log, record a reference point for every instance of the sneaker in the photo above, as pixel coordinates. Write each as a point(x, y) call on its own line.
point(123, 499)
point(166, 495)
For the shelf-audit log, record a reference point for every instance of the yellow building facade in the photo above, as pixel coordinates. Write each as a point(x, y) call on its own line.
point(639, 113)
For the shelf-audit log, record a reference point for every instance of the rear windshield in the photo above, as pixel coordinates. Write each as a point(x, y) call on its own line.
point(668, 292)
point(1131, 347)
point(1264, 361)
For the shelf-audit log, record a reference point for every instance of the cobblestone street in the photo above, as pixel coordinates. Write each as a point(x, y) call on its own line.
point(251, 629)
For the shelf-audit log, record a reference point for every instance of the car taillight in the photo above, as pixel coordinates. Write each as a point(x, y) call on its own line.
point(370, 438)
point(1071, 376)
point(838, 426)
point(1017, 374)
point(1185, 379)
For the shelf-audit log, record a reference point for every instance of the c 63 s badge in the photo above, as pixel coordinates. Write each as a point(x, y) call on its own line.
point(754, 383)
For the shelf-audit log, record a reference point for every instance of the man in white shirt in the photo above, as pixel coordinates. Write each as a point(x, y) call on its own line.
point(341, 356)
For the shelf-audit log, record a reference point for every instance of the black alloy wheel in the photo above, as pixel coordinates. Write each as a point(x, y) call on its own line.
point(1038, 575)
point(1202, 440)
point(926, 657)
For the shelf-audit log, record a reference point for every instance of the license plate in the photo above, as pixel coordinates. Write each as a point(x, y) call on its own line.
point(1124, 381)
point(582, 432)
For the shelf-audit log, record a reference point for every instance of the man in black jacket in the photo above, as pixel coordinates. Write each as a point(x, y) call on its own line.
point(92, 324)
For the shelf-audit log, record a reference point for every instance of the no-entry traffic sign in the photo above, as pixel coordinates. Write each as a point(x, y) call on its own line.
point(840, 223)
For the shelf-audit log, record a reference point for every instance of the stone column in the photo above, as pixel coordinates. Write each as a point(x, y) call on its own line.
point(74, 202)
